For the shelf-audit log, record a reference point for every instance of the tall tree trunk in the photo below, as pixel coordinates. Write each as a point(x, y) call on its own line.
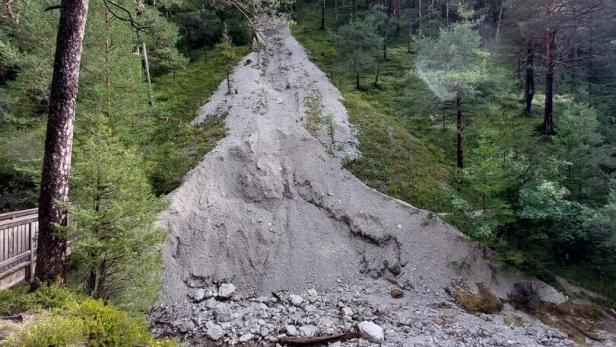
point(460, 132)
point(500, 18)
point(589, 67)
point(357, 80)
point(419, 20)
point(447, 13)
point(59, 142)
point(322, 27)
point(147, 73)
point(386, 39)
point(529, 89)
point(336, 12)
point(410, 35)
point(548, 117)
point(228, 80)
point(378, 72)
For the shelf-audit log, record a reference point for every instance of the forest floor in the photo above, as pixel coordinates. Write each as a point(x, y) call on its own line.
point(272, 239)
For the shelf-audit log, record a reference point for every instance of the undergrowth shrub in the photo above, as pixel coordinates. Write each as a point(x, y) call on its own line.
point(65, 318)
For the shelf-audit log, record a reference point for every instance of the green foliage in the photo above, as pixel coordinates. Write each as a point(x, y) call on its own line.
point(116, 249)
point(578, 149)
point(357, 42)
point(542, 204)
point(452, 64)
point(486, 179)
point(227, 51)
point(63, 318)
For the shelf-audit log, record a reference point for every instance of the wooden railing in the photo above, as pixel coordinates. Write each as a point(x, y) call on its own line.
point(18, 231)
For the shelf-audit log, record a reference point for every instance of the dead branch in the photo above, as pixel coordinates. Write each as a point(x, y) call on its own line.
point(314, 340)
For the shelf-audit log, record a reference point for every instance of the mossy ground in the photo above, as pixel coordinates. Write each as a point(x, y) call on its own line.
point(59, 317)
point(176, 145)
point(407, 135)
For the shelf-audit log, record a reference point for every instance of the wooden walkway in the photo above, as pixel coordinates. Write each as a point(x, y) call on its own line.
point(18, 231)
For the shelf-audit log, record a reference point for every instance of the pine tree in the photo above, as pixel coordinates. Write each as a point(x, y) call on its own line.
point(358, 43)
point(115, 246)
point(58, 143)
point(452, 66)
point(228, 56)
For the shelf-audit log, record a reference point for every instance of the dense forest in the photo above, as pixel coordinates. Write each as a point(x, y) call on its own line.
point(498, 116)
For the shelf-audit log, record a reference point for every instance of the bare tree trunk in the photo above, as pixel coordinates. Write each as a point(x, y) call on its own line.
point(322, 27)
point(378, 72)
point(419, 22)
point(410, 35)
point(548, 117)
point(500, 18)
point(529, 89)
point(147, 73)
point(58, 143)
point(589, 67)
point(228, 81)
point(447, 13)
point(336, 11)
point(460, 135)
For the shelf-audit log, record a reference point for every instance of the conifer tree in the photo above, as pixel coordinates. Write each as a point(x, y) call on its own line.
point(452, 66)
point(358, 44)
point(228, 56)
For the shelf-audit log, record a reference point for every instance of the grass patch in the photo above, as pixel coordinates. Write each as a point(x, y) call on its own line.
point(177, 146)
point(60, 317)
point(394, 160)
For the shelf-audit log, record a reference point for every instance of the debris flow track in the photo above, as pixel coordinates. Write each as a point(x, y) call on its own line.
point(271, 210)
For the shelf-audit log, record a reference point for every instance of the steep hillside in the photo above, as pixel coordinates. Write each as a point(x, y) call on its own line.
point(270, 211)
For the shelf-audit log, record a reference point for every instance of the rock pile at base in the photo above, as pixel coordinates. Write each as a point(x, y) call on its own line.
point(429, 319)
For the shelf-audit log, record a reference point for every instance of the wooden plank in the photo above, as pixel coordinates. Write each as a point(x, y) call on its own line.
point(2, 245)
point(17, 214)
point(19, 222)
point(19, 257)
point(14, 268)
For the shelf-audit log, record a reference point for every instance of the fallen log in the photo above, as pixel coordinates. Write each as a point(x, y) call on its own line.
point(13, 318)
point(314, 340)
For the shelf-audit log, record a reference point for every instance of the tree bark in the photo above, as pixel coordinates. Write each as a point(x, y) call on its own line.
point(419, 21)
point(228, 81)
point(548, 117)
point(58, 143)
point(529, 89)
point(460, 132)
point(322, 27)
point(500, 18)
point(336, 12)
point(147, 73)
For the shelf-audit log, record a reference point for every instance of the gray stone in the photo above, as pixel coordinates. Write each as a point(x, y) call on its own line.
point(291, 330)
point(308, 330)
point(246, 337)
point(223, 313)
point(226, 290)
point(197, 294)
point(371, 331)
point(296, 299)
point(186, 326)
point(215, 332)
